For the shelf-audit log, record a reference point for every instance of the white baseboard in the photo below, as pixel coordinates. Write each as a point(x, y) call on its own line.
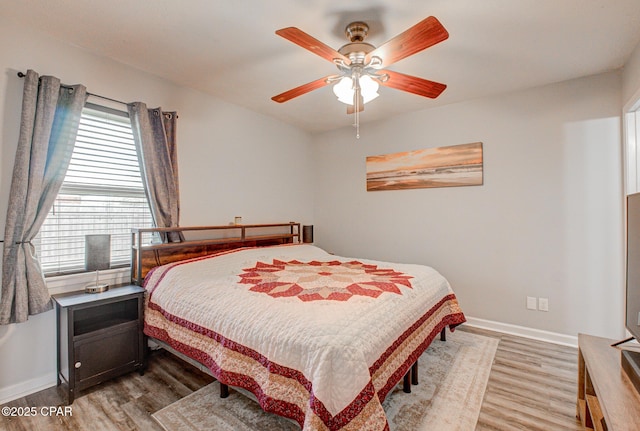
point(522, 331)
point(29, 387)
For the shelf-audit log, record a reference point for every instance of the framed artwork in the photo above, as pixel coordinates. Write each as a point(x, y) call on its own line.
point(453, 166)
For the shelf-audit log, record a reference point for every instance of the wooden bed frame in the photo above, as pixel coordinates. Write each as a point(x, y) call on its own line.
point(147, 254)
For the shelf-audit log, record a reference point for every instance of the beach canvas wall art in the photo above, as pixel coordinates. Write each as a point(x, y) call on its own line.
point(453, 166)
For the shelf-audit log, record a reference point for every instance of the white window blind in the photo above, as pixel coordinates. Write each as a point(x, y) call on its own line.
point(102, 193)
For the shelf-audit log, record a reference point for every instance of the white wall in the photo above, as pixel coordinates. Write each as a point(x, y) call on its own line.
point(631, 79)
point(546, 223)
point(232, 162)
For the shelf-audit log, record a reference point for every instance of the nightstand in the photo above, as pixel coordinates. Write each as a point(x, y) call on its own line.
point(99, 336)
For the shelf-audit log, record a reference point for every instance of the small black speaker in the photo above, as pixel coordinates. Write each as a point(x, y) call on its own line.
point(307, 234)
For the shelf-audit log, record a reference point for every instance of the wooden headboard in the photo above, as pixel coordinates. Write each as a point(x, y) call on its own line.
point(147, 252)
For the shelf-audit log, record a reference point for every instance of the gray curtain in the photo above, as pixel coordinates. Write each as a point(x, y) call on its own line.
point(154, 133)
point(48, 128)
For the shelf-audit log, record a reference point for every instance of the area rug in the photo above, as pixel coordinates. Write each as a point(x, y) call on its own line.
point(453, 378)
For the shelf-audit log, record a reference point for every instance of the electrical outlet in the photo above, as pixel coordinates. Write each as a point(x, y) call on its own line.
point(531, 303)
point(543, 304)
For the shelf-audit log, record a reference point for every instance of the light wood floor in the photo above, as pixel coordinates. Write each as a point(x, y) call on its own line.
point(532, 386)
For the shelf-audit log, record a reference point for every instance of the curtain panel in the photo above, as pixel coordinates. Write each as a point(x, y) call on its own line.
point(48, 128)
point(154, 133)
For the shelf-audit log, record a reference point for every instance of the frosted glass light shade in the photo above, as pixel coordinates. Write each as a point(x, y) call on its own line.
point(344, 89)
point(369, 88)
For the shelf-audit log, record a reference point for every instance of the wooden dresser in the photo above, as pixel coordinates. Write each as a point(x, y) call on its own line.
point(607, 400)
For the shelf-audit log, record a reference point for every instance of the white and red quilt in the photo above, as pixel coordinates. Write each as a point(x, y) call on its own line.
point(317, 338)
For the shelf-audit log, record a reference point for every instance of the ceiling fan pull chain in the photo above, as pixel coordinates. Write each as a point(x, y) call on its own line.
point(356, 100)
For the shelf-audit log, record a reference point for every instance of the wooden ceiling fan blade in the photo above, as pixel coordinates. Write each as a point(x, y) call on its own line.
point(426, 33)
point(413, 84)
point(310, 43)
point(303, 89)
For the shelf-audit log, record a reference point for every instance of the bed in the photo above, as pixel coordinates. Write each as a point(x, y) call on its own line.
point(317, 338)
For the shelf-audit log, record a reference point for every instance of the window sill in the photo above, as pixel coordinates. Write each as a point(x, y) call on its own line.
point(75, 282)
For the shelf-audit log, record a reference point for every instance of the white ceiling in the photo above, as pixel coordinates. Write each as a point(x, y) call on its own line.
point(228, 48)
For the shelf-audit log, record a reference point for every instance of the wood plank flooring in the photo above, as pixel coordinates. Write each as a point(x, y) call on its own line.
point(532, 386)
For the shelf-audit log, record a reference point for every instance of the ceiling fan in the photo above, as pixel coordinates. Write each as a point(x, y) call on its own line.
point(361, 65)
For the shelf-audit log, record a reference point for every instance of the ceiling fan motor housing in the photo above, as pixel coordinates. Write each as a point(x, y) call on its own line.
point(357, 50)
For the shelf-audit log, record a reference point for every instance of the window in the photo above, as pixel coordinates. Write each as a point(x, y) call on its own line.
point(102, 193)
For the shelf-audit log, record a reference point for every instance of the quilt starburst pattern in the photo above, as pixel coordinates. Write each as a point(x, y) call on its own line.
point(317, 281)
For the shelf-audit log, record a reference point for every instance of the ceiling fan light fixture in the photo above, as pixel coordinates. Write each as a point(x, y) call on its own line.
point(369, 88)
point(344, 89)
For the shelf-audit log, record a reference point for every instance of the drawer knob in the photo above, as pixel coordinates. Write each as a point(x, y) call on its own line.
point(78, 364)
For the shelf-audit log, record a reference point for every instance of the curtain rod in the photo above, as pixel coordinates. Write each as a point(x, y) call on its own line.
point(22, 75)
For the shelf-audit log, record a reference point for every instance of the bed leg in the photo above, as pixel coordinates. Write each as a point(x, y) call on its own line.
point(406, 384)
point(224, 390)
point(414, 373)
point(443, 334)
